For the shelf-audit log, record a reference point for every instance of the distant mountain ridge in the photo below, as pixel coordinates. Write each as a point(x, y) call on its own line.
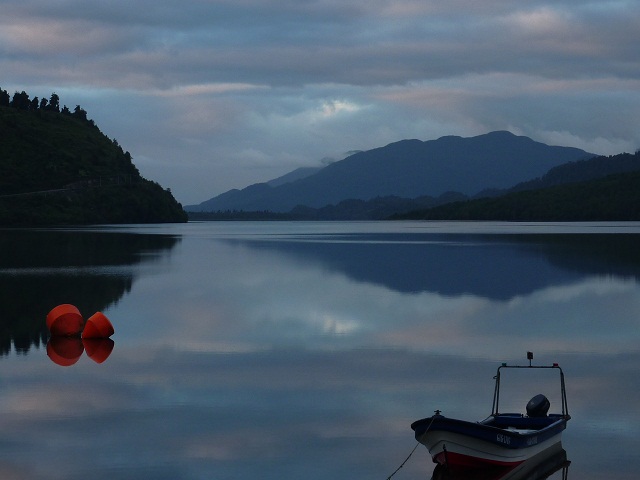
point(406, 169)
point(297, 174)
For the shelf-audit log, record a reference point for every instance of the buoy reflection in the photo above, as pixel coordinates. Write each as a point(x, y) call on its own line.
point(66, 351)
point(98, 349)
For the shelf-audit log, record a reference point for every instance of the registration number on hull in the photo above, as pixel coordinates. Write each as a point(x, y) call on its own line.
point(507, 439)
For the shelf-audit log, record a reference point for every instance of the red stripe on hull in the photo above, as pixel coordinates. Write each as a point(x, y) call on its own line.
point(466, 461)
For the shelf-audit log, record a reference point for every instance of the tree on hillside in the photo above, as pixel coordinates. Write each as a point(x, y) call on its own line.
point(54, 102)
point(21, 101)
point(78, 112)
point(5, 98)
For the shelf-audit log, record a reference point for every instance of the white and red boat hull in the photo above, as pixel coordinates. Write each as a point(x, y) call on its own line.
point(479, 444)
point(455, 449)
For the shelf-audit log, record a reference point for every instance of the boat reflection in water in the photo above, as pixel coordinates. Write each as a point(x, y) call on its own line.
point(538, 467)
point(66, 351)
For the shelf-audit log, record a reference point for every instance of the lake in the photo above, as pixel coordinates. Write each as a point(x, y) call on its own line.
point(305, 350)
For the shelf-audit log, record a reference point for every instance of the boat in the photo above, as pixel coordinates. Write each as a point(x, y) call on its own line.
point(502, 439)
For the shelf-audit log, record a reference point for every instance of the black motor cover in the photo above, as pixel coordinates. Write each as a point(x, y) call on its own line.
point(538, 406)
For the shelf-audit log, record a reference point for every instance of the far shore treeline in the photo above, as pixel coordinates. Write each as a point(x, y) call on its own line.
point(58, 168)
point(612, 198)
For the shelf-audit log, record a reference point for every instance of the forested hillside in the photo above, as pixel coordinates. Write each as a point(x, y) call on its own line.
point(582, 171)
point(57, 167)
point(612, 198)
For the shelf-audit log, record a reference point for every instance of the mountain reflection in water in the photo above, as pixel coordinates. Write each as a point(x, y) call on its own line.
point(461, 264)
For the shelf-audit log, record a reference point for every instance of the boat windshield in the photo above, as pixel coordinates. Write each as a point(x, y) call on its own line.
point(524, 389)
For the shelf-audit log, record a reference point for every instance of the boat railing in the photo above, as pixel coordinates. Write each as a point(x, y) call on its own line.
point(496, 395)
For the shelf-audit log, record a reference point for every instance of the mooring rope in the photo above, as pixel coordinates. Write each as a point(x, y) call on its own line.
point(414, 449)
point(405, 461)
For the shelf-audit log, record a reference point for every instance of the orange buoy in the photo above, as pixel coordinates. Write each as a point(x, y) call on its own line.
point(98, 349)
point(65, 320)
point(64, 351)
point(98, 326)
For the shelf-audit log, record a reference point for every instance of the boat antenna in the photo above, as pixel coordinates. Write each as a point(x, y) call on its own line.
point(529, 357)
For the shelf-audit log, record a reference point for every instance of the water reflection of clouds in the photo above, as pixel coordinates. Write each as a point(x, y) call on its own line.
point(274, 413)
point(597, 315)
point(278, 412)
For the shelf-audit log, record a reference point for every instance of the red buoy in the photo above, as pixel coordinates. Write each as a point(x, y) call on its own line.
point(65, 321)
point(98, 349)
point(98, 326)
point(64, 351)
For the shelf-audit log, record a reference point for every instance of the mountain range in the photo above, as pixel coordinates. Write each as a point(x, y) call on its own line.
point(406, 169)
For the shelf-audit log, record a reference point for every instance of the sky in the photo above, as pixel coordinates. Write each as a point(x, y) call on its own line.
point(210, 95)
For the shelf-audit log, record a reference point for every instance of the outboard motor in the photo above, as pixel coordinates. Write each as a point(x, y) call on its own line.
point(538, 406)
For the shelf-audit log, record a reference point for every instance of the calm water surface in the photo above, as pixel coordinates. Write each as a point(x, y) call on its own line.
point(305, 350)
